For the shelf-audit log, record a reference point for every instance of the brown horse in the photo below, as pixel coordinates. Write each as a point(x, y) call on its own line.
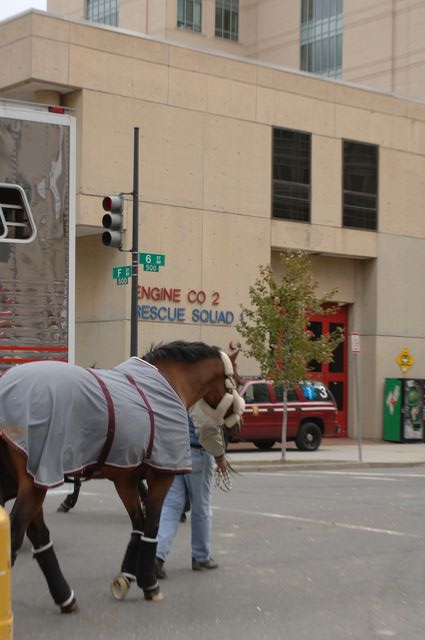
point(43, 404)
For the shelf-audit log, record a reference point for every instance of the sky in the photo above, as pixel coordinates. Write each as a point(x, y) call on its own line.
point(12, 7)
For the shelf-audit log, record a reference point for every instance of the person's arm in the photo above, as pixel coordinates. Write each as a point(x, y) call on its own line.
point(211, 438)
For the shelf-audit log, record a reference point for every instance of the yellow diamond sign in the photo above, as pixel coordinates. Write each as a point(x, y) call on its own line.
point(405, 360)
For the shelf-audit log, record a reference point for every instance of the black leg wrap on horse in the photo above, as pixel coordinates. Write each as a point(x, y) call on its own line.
point(146, 578)
point(71, 499)
point(129, 564)
point(60, 591)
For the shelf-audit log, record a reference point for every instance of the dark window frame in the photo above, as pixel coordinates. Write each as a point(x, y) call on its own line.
point(222, 8)
point(360, 219)
point(296, 185)
point(93, 14)
point(185, 22)
point(321, 46)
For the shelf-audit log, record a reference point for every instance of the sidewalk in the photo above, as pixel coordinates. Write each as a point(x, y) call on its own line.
point(333, 453)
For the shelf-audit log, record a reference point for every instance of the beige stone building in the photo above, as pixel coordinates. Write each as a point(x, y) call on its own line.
point(240, 159)
point(378, 44)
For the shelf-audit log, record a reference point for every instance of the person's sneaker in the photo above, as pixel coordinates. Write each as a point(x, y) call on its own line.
point(159, 569)
point(198, 565)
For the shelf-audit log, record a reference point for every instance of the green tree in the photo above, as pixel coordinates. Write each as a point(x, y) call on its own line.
point(275, 328)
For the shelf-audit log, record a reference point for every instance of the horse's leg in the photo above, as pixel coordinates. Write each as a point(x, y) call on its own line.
point(139, 559)
point(71, 499)
point(44, 553)
point(8, 478)
point(129, 491)
point(29, 499)
point(158, 484)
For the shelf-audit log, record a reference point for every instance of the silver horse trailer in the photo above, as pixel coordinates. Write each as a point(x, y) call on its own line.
point(37, 233)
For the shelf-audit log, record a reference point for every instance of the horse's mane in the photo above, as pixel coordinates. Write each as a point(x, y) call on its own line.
point(181, 351)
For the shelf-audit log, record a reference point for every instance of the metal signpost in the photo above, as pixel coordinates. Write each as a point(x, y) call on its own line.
point(113, 223)
point(135, 247)
point(355, 348)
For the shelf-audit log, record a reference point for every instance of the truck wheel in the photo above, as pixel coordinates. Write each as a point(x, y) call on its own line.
point(309, 437)
point(264, 445)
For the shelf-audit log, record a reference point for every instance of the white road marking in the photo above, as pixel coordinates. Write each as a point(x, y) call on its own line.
point(327, 523)
point(61, 490)
point(376, 474)
point(319, 474)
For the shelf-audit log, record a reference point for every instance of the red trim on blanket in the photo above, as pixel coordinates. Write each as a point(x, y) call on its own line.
point(111, 425)
point(16, 347)
point(26, 360)
point(150, 412)
point(166, 469)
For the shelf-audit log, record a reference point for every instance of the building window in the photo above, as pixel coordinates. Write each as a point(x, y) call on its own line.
point(189, 15)
point(291, 175)
point(227, 19)
point(321, 37)
point(104, 11)
point(360, 182)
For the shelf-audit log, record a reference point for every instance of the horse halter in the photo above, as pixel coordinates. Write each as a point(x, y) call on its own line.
point(230, 399)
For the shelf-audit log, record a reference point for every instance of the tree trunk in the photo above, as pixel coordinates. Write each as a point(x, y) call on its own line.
point(284, 421)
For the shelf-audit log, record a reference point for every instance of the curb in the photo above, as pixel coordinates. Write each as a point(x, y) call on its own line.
point(248, 467)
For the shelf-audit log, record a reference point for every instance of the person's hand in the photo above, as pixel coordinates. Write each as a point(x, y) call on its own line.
point(222, 470)
point(221, 463)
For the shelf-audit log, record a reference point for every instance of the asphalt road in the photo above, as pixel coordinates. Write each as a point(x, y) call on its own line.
point(306, 555)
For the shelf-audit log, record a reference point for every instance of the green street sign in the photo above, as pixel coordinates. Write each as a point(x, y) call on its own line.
point(121, 273)
point(152, 261)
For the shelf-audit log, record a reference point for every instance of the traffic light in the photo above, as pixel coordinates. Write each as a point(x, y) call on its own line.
point(113, 221)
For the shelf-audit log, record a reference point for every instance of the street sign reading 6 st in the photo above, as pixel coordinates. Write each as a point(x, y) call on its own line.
point(152, 261)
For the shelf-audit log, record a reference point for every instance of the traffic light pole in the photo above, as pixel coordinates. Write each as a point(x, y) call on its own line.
point(135, 246)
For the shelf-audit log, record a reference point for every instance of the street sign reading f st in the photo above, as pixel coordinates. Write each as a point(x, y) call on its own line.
point(122, 274)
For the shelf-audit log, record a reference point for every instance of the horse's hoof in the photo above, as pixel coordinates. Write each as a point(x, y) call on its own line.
point(72, 607)
point(155, 596)
point(62, 509)
point(119, 587)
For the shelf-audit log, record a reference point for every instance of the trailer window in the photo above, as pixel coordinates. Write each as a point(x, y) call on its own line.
point(16, 220)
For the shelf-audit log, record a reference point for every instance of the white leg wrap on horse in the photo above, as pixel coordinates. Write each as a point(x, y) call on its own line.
point(70, 599)
point(41, 549)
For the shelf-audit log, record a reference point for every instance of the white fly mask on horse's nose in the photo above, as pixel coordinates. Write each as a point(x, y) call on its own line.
point(201, 412)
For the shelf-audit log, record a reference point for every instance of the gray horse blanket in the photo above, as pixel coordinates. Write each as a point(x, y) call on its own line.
point(67, 418)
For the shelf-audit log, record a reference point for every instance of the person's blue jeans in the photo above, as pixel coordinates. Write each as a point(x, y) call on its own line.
point(198, 486)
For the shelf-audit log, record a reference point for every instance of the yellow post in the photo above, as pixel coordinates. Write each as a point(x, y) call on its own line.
point(6, 616)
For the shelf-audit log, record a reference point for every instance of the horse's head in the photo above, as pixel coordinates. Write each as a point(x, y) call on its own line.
point(223, 404)
point(204, 377)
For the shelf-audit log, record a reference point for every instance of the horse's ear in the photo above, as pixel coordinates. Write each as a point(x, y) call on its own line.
point(234, 355)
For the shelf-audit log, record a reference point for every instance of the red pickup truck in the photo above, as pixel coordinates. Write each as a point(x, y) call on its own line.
point(312, 414)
